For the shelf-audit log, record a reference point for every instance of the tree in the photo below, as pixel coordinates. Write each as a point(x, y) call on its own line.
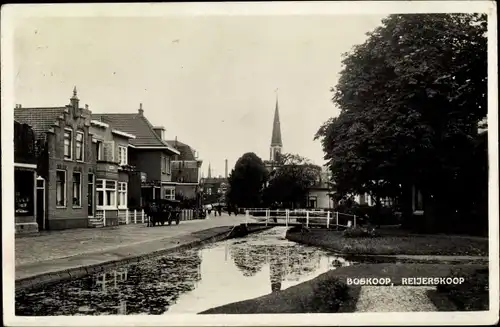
point(289, 183)
point(411, 98)
point(246, 181)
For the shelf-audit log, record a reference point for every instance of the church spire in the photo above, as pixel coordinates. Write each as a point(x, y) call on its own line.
point(209, 171)
point(276, 136)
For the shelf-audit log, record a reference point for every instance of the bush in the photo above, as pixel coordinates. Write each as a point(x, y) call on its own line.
point(360, 232)
point(472, 294)
point(329, 296)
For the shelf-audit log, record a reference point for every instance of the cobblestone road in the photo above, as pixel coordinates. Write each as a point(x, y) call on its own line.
point(67, 243)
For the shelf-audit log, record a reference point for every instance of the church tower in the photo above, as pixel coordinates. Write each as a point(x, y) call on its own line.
point(276, 143)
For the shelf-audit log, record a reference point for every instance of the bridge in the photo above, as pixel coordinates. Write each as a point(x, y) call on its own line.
point(317, 218)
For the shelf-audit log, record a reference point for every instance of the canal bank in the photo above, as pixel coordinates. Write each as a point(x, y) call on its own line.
point(40, 273)
point(188, 281)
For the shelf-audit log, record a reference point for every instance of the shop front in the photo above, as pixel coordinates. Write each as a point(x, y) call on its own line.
point(25, 197)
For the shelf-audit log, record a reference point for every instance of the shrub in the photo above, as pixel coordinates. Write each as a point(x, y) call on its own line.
point(472, 294)
point(329, 296)
point(360, 232)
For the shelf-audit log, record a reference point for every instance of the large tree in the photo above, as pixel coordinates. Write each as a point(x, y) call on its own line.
point(289, 183)
point(246, 181)
point(411, 98)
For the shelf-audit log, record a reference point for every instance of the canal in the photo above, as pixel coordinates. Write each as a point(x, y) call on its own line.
point(189, 281)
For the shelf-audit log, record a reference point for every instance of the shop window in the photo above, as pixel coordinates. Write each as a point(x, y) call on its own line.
point(61, 188)
point(77, 189)
point(23, 193)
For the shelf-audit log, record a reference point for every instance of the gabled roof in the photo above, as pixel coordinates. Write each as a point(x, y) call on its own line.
point(40, 119)
point(186, 152)
point(135, 124)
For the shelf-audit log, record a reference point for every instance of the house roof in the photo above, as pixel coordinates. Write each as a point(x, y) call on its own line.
point(186, 152)
point(135, 124)
point(40, 119)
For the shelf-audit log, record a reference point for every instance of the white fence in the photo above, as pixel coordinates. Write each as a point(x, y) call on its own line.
point(307, 217)
point(105, 217)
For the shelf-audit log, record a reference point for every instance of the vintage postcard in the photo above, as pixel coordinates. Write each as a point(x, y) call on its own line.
point(257, 163)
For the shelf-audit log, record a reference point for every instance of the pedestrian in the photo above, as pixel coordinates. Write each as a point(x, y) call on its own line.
point(209, 208)
point(219, 209)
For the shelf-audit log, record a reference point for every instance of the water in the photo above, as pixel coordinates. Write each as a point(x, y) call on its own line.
point(186, 282)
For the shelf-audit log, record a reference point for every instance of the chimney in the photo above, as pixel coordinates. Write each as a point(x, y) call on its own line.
point(141, 112)
point(160, 131)
point(225, 171)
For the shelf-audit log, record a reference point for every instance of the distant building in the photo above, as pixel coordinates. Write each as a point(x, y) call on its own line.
point(214, 188)
point(185, 170)
point(275, 149)
point(320, 194)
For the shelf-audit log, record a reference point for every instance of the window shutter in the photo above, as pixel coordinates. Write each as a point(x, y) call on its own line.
point(108, 151)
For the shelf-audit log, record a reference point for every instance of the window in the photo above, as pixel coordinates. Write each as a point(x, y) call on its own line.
point(123, 155)
point(99, 150)
point(165, 164)
point(169, 193)
point(77, 189)
point(106, 193)
point(61, 188)
point(79, 146)
point(209, 191)
point(122, 195)
point(68, 149)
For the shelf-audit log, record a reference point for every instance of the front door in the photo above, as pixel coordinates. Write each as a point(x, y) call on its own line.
point(90, 195)
point(40, 203)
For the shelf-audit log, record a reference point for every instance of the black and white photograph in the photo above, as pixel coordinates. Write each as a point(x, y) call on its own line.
point(257, 163)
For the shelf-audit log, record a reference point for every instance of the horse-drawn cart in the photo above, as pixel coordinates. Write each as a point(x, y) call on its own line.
point(161, 211)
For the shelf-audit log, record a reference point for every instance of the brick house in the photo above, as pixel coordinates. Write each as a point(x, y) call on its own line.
point(149, 155)
point(185, 171)
point(64, 161)
point(111, 178)
point(27, 202)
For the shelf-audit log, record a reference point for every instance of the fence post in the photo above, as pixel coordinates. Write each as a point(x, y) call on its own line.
point(246, 216)
point(142, 214)
point(307, 219)
point(328, 220)
point(267, 215)
point(126, 217)
point(337, 219)
point(287, 215)
point(135, 216)
point(104, 217)
point(354, 220)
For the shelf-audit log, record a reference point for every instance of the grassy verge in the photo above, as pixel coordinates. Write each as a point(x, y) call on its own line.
point(472, 295)
point(393, 244)
point(320, 295)
point(329, 292)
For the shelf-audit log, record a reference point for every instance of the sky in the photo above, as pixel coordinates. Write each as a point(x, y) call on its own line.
point(211, 81)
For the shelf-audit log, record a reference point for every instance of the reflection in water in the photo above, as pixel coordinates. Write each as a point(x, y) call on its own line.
point(188, 281)
point(148, 287)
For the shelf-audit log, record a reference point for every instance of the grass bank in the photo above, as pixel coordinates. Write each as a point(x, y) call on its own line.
point(329, 292)
point(390, 244)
